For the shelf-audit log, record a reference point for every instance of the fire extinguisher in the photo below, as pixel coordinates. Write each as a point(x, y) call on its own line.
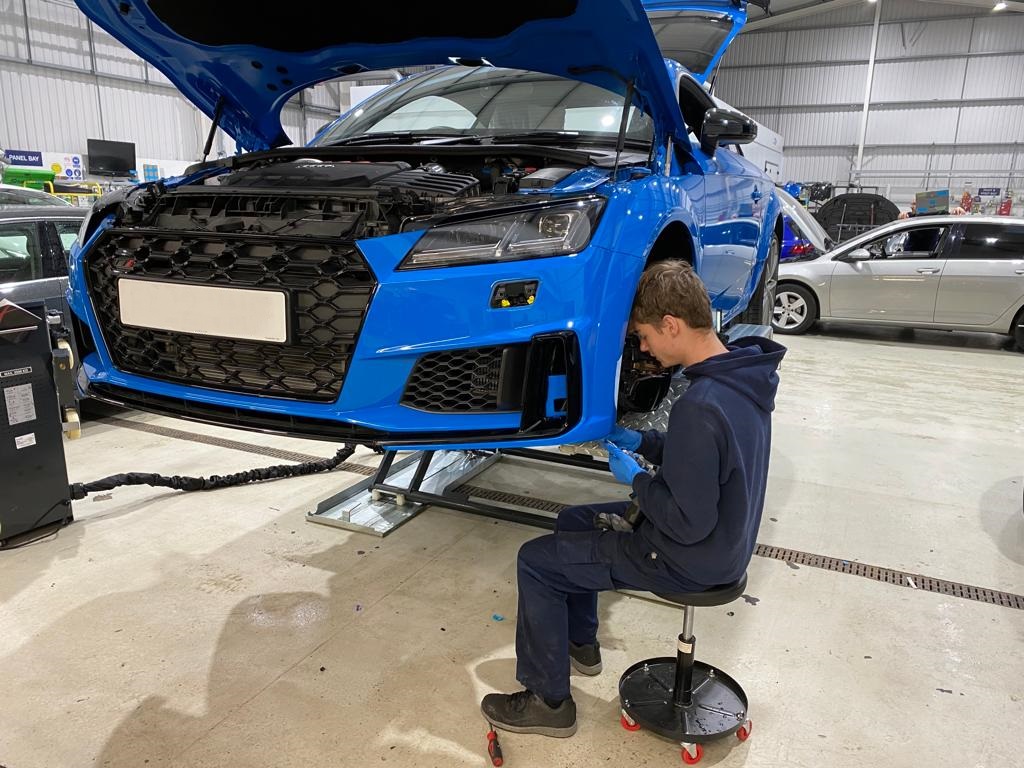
point(1006, 205)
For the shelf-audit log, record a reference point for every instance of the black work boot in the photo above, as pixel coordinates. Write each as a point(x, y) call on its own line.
point(526, 712)
point(586, 659)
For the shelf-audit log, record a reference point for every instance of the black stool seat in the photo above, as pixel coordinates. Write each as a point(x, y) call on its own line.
point(714, 596)
point(683, 699)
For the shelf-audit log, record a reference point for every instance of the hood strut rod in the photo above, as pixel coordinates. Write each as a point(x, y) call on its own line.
point(213, 128)
point(623, 124)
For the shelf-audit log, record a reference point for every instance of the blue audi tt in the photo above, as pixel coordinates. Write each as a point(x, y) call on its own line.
point(453, 262)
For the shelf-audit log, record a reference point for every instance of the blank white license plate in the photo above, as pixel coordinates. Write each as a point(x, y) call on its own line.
point(205, 310)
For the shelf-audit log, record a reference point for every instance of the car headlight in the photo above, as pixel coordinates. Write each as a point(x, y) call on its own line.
point(557, 229)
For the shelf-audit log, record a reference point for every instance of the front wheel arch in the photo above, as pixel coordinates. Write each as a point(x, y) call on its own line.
point(642, 386)
point(1017, 330)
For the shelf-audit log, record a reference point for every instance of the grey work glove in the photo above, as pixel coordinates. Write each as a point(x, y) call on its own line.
point(609, 521)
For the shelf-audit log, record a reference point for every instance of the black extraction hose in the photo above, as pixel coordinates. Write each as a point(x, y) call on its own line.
point(179, 483)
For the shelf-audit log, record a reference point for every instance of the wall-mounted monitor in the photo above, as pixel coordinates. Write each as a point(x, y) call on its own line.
point(111, 158)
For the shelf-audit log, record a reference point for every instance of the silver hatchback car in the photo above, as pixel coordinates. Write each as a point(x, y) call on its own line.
point(952, 273)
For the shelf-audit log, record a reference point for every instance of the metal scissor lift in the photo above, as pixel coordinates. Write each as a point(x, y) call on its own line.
point(402, 487)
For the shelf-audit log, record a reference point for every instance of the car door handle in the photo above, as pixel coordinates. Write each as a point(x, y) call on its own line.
point(929, 270)
point(756, 194)
point(1018, 271)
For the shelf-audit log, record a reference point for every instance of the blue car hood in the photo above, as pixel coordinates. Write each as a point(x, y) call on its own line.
point(256, 55)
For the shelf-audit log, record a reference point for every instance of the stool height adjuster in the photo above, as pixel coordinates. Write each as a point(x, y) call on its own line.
point(685, 655)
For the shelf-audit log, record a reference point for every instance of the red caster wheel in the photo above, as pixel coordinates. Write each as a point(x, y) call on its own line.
point(692, 758)
point(744, 732)
point(627, 722)
point(494, 749)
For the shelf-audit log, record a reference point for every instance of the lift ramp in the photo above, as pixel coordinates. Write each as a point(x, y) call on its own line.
point(528, 486)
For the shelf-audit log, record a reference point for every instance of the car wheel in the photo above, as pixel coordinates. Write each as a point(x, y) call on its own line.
point(759, 310)
point(796, 309)
point(1018, 331)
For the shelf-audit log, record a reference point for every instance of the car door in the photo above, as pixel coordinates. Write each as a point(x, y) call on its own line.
point(749, 192)
point(984, 275)
point(899, 283)
point(730, 228)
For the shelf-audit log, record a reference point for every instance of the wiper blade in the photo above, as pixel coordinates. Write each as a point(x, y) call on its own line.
point(389, 137)
point(549, 137)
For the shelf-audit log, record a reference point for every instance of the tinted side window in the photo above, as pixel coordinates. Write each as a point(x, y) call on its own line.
point(992, 241)
point(694, 103)
point(21, 254)
point(916, 243)
point(67, 231)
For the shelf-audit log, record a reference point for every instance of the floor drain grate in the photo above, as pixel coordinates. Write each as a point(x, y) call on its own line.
point(897, 578)
point(488, 494)
point(873, 572)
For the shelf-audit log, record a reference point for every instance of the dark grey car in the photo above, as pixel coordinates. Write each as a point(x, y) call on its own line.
point(34, 245)
point(958, 273)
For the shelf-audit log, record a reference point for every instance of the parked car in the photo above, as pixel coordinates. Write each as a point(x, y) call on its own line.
point(14, 195)
point(802, 235)
point(950, 272)
point(35, 242)
point(451, 263)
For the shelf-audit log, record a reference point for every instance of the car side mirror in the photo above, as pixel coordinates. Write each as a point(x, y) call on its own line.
point(857, 254)
point(723, 126)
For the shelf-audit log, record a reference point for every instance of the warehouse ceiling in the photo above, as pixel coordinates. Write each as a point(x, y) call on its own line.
point(787, 11)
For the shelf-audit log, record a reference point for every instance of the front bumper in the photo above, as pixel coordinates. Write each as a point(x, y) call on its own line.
point(411, 316)
point(551, 407)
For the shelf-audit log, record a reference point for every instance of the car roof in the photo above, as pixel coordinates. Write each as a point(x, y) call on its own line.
point(41, 212)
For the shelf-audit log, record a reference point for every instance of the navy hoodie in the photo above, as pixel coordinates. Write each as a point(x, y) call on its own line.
point(703, 507)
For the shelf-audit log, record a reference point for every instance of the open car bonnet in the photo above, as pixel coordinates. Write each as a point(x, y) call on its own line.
point(252, 57)
point(697, 34)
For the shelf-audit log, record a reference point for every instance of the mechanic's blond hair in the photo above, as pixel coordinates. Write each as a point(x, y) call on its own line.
point(672, 288)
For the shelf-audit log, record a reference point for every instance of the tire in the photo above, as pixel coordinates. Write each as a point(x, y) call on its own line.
point(1017, 331)
point(762, 304)
point(796, 309)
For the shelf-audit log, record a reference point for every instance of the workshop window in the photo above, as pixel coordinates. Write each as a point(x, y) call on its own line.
point(20, 253)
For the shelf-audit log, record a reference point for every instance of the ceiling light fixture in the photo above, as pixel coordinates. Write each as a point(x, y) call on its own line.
point(1000, 6)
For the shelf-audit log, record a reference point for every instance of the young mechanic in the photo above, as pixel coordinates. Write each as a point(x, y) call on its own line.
point(700, 511)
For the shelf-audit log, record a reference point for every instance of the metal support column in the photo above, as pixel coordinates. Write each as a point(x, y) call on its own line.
point(867, 91)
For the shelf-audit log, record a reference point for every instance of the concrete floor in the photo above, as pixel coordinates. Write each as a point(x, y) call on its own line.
point(221, 629)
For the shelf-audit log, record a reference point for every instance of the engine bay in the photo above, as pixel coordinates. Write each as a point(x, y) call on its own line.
point(348, 198)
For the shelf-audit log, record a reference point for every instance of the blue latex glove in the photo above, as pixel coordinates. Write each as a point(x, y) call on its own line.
point(625, 438)
point(622, 465)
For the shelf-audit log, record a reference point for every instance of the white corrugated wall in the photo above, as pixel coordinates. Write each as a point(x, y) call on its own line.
point(65, 81)
point(946, 108)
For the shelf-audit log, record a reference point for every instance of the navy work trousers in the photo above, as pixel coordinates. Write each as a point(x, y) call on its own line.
point(559, 577)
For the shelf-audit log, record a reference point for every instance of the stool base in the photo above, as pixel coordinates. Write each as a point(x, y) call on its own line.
point(718, 709)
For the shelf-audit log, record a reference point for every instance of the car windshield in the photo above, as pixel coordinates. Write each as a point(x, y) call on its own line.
point(805, 222)
point(480, 102)
point(24, 196)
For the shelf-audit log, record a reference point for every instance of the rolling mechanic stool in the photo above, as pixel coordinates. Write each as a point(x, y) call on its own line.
point(684, 700)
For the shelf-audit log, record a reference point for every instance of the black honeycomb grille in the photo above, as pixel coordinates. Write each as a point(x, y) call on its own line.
point(457, 381)
point(328, 285)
